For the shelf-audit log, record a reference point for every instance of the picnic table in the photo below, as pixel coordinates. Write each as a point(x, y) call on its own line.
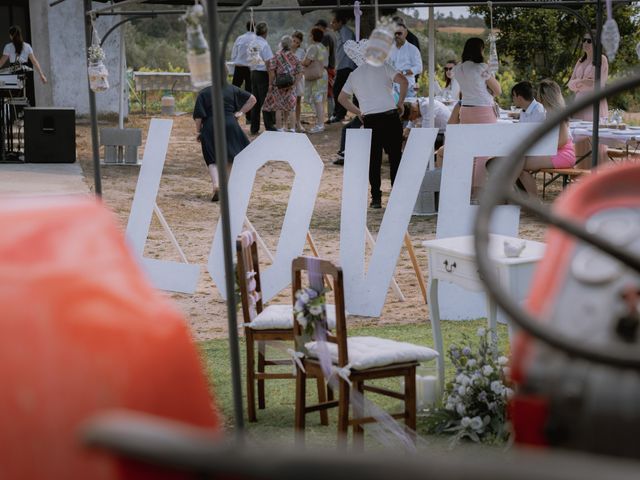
point(154, 81)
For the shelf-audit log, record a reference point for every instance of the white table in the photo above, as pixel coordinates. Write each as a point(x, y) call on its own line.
point(613, 137)
point(453, 260)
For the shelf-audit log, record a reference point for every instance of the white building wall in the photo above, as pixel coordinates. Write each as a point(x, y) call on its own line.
point(58, 40)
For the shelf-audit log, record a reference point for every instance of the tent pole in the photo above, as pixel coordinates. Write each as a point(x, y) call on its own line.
point(217, 81)
point(597, 63)
point(93, 112)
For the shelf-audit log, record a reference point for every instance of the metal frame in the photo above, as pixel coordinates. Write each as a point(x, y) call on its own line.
point(213, 12)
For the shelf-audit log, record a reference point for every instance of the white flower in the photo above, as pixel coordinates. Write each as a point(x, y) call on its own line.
point(465, 422)
point(481, 332)
point(315, 309)
point(461, 409)
point(304, 297)
point(449, 406)
point(497, 387)
point(312, 293)
point(299, 306)
point(476, 423)
point(302, 320)
point(462, 390)
point(503, 360)
point(487, 370)
point(462, 379)
point(471, 362)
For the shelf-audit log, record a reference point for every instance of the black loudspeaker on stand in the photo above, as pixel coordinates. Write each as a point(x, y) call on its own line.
point(49, 135)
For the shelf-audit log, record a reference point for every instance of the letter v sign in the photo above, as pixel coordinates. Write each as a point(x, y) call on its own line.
point(365, 294)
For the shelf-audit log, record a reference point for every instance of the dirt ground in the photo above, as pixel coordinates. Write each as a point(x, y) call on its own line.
point(184, 198)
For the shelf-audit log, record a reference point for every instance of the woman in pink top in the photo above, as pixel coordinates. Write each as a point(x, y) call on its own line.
point(550, 96)
point(583, 78)
point(582, 82)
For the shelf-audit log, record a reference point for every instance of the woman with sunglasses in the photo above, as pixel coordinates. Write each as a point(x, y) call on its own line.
point(451, 90)
point(583, 78)
point(582, 81)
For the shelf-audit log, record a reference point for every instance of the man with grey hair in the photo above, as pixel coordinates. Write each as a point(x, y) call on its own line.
point(260, 80)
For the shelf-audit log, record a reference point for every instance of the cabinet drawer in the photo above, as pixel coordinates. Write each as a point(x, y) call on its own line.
point(453, 265)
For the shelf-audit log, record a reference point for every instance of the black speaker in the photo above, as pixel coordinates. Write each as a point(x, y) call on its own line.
point(49, 135)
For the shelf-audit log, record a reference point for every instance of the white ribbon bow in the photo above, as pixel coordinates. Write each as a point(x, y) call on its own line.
point(295, 359)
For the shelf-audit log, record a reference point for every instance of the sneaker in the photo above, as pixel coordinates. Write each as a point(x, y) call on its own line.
point(376, 203)
point(279, 129)
point(339, 161)
point(333, 120)
point(317, 129)
point(292, 130)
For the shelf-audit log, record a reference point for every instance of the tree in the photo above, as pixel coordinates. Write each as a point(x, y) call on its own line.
point(546, 43)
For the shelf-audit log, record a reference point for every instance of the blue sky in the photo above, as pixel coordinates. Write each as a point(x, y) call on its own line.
point(457, 11)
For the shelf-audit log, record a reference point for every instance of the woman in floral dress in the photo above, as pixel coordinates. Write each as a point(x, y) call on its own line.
point(282, 99)
point(315, 83)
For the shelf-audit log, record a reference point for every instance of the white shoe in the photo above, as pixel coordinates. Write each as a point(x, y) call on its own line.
point(317, 129)
point(279, 129)
point(292, 130)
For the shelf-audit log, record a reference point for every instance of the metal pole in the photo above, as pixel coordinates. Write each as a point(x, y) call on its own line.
point(597, 62)
point(93, 112)
point(432, 65)
point(220, 141)
point(123, 80)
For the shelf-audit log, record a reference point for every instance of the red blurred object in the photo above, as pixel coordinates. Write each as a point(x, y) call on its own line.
point(82, 330)
point(567, 402)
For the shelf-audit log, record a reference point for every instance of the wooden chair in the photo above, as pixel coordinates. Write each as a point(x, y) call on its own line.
point(273, 323)
point(369, 364)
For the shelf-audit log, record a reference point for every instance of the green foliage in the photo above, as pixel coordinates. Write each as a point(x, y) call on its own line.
point(539, 43)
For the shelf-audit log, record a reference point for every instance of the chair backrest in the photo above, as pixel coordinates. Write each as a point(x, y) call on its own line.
point(317, 269)
point(248, 275)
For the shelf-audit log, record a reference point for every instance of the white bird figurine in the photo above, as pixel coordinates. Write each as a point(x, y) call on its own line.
point(514, 249)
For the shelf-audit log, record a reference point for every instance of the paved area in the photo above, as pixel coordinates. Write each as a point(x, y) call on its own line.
point(39, 179)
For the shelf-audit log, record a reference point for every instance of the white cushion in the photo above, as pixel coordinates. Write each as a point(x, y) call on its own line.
point(280, 317)
point(369, 352)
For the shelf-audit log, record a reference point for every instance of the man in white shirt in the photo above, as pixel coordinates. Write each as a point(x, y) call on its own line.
point(240, 58)
point(532, 110)
point(405, 57)
point(381, 113)
point(260, 79)
point(417, 114)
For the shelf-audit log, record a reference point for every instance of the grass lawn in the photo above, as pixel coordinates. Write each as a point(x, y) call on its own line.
point(275, 423)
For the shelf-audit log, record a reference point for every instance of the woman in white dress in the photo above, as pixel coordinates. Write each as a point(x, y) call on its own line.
point(299, 51)
point(19, 51)
point(451, 90)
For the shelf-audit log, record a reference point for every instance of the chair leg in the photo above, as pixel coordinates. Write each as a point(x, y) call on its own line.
point(410, 400)
point(301, 383)
point(330, 396)
point(343, 414)
point(251, 379)
point(358, 412)
point(322, 398)
point(261, 366)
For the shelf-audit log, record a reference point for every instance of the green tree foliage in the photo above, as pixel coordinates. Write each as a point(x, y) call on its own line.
point(542, 43)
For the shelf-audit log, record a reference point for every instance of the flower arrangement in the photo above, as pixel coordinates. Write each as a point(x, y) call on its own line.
point(95, 53)
point(475, 402)
point(309, 309)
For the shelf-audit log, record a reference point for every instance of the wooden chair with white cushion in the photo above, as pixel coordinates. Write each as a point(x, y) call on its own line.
point(358, 359)
point(263, 324)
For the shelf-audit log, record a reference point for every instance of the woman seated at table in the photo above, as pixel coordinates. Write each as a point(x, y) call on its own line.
point(550, 96)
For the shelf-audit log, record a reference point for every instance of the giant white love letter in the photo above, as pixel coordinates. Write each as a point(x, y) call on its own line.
point(456, 214)
point(365, 293)
point(296, 150)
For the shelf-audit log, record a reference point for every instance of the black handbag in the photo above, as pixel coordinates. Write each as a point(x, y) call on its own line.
point(284, 78)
